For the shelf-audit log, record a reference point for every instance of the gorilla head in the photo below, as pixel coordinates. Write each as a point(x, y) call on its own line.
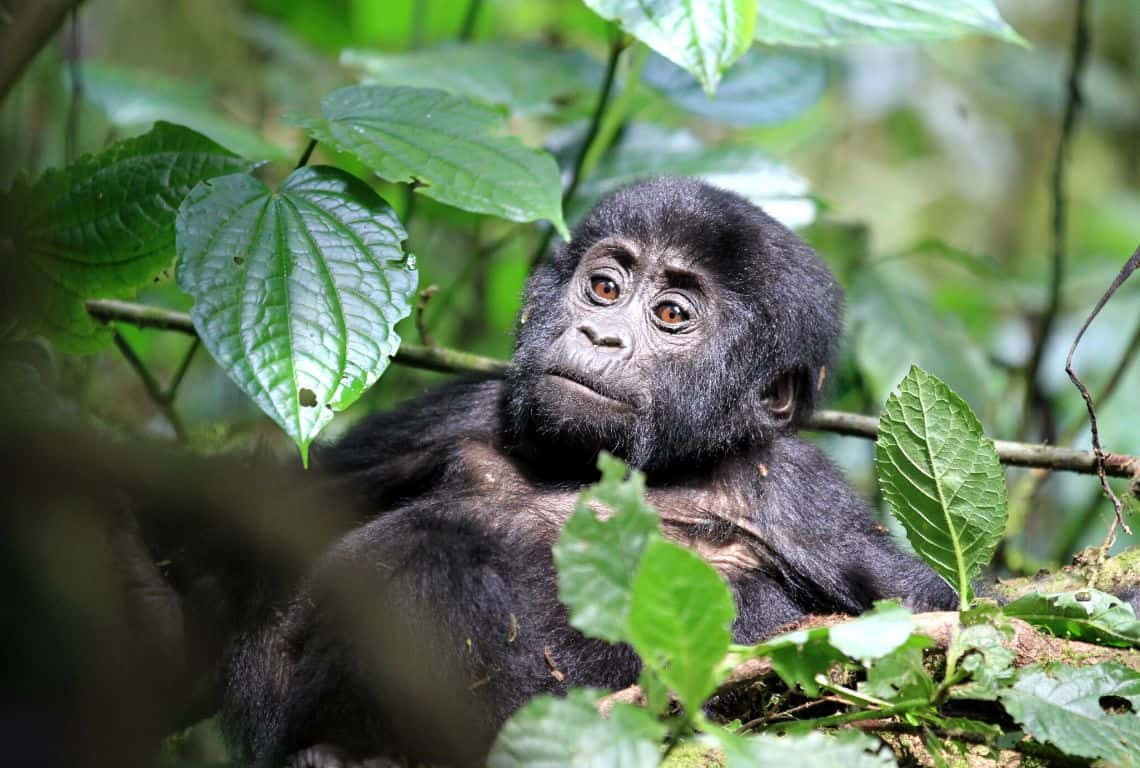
point(680, 323)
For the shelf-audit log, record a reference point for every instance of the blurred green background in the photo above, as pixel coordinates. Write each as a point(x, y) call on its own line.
point(920, 172)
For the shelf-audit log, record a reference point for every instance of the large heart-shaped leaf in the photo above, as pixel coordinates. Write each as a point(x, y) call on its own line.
point(454, 151)
point(703, 37)
point(296, 291)
point(942, 478)
point(527, 79)
point(832, 22)
point(99, 228)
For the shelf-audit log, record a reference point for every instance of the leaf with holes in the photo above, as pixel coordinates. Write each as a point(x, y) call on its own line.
point(942, 478)
point(454, 151)
point(1089, 712)
point(297, 291)
point(1088, 614)
point(833, 22)
point(704, 38)
point(99, 228)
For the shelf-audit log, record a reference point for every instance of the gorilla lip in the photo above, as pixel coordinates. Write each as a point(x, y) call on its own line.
point(581, 383)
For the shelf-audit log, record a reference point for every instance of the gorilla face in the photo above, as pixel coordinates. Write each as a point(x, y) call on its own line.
point(670, 330)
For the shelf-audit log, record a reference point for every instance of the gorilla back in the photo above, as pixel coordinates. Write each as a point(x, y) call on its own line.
point(681, 329)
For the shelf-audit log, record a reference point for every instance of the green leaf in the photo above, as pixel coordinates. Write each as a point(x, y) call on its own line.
point(1088, 614)
point(648, 151)
point(454, 151)
point(297, 292)
point(528, 79)
point(764, 87)
point(982, 651)
point(850, 749)
point(834, 22)
point(550, 732)
point(703, 37)
point(99, 228)
point(942, 478)
point(1076, 710)
point(597, 558)
point(680, 620)
point(131, 97)
point(900, 675)
point(798, 657)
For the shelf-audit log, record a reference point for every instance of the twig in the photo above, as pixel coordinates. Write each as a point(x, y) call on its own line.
point(1131, 347)
point(1073, 103)
point(30, 29)
point(183, 367)
point(447, 360)
point(307, 153)
point(71, 134)
point(161, 399)
point(1118, 519)
point(467, 31)
point(421, 305)
point(616, 48)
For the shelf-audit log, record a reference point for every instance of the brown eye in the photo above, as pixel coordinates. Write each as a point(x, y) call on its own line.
point(671, 314)
point(604, 288)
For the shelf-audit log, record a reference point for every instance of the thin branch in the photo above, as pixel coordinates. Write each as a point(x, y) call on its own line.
point(183, 367)
point(445, 360)
point(154, 391)
point(307, 153)
point(32, 25)
point(467, 31)
point(1073, 103)
point(421, 304)
point(1118, 520)
point(603, 103)
point(1108, 389)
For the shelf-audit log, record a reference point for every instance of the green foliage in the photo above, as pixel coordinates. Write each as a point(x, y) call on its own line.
point(1074, 709)
point(527, 79)
point(100, 228)
point(680, 620)
point(132, 98)
point(833, 22)
point(450, 149)
point(981, 650)
point(901, 674)
point(550, 731)
point(942, 478)
point(1089, 615)
point(297, 292)
point(765, 86)
point(597, 559)
point(810, 750)
point(704, 38)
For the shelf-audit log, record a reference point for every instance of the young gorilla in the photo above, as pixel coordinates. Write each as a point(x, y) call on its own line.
point(683, 330)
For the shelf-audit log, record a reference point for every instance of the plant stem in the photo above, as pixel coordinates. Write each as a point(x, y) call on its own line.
point(161, 399)
point(307, 153)
point(467, 31)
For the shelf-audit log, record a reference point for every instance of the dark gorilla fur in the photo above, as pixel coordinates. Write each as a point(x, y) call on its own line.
point(425, 627)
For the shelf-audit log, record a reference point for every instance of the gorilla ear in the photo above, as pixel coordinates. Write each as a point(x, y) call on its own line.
point(781, 399)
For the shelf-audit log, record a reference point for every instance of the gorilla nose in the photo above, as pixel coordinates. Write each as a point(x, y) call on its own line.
point(603, 337)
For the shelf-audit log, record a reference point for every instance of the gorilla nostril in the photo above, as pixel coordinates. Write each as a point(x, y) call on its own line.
point(600, 338)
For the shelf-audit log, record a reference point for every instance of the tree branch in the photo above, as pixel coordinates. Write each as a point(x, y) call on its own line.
point(446, 360)
point(32, 26)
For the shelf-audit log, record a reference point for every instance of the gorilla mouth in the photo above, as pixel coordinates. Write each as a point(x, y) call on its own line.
point(586, 386)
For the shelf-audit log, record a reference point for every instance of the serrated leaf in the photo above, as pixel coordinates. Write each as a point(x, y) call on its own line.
point(833, 22)
point(982, 650)
point(680, 619)
point(901, 675)
point(555, 732)
point(942, 478)
point(1066, 707)
point(131, 97)
point(799, 656)
point(528, 79)
point(597, 558)
point(648, 151)
point(99, 228)
point(850, 749)
point(1087, 614)
point(455, 152)
point(297, 292)
point(703, 37)
point(764, 87)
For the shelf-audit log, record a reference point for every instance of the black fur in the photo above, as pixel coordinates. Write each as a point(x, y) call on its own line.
point(425, 627)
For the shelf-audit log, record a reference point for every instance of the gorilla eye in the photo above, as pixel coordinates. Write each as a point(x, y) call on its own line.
point(604, 288)
point(671, 314)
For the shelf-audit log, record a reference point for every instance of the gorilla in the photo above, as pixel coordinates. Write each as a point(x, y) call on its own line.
point(681, 329)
